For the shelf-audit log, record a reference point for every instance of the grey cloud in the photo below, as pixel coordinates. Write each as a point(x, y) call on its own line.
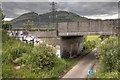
point(90, 8)
point(11, 9)
point(60, 0)
point(25, 0)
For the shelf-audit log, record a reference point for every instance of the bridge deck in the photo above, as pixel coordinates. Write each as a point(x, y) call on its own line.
point(85, 33)
point(86, 28)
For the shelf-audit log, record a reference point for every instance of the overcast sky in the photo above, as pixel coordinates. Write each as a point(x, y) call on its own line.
point(60, 0)
point(94, 10)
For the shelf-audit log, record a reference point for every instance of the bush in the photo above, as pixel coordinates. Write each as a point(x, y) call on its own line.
point(12, 48)
point(103, 37)
point(89, 45)
point(108, 55)
point(41, 57)
point(114, 74)
point(39, 61)
point(6, 57)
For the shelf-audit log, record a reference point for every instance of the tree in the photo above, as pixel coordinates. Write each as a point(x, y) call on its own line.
point(7, 25)
point(2, 16)
point(29, 25)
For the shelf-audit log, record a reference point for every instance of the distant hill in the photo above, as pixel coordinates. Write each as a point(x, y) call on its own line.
point(62, 16)
point(18, 22)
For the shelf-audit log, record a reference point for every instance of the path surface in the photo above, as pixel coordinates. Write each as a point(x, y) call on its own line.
point(80, 70)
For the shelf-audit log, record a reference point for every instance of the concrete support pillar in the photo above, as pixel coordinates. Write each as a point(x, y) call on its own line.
point(71, 49)
point(69, 45)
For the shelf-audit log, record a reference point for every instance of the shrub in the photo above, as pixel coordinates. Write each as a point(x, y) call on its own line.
point(108, 55)
point(6, 57)
point(12, 48)
point(89, 45)
point(103, 37)
point(41, 57)
point(113, 75)
point(39, 62)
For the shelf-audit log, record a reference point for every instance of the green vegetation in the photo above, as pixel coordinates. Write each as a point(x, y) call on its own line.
point(92, 37)
point(34, 29)
point(103, 37)
point(29, 25)
point(90, 42)
point(39, 61)
point(6, 24)
point(12, 48)
point(2, 16)
point(108, 56)
point(89, 45)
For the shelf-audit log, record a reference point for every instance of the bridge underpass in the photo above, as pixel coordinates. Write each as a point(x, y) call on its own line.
point(70, 45)
point(69, 35)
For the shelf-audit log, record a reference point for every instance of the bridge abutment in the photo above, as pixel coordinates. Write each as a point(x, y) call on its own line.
point(70, 46)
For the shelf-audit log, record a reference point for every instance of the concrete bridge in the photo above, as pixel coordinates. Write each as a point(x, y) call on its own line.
point(86, 28)
point(69, 35)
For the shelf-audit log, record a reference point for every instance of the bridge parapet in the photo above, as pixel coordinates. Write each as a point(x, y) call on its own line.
point(105, 27)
